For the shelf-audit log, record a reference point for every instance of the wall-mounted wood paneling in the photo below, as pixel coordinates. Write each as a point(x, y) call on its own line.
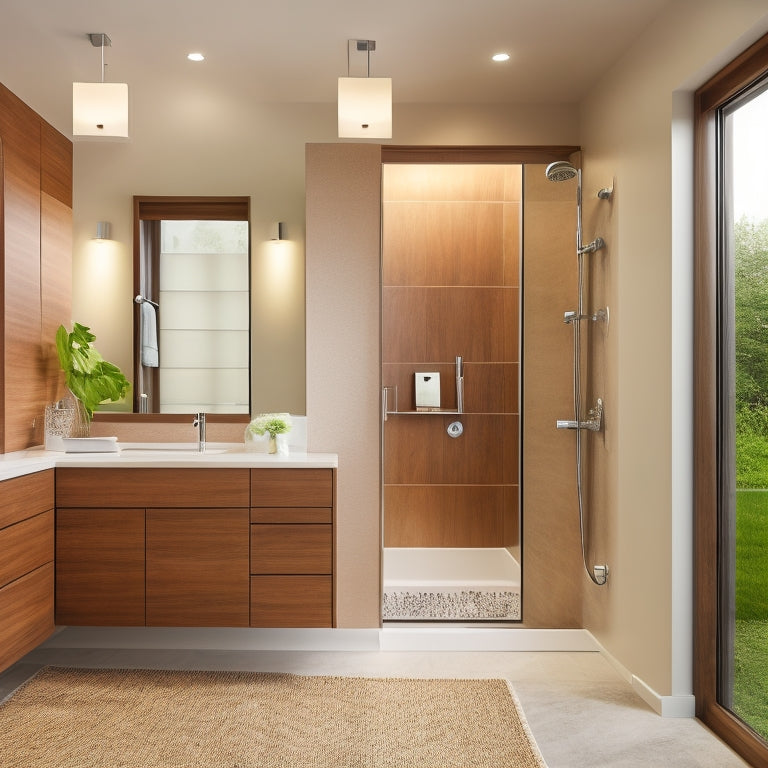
point(24, 386)
point(55, 288)
point(36, 243)
point(450, 515)
point(437, 323)
point(428, 243)
point(450, 272)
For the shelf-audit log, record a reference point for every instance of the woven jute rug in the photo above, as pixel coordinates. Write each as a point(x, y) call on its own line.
point(84, 718)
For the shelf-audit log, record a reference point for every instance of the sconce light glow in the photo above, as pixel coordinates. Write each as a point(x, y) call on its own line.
point(196, 57)
point(500, 57)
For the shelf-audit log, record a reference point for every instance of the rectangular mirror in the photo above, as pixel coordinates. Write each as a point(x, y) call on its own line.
point(192, 296)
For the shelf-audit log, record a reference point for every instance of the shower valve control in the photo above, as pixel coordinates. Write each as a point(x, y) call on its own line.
point(455, 429)
point(594, 423)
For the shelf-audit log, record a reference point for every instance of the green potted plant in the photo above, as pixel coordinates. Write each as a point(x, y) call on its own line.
point(273, 424)
point(90, 378)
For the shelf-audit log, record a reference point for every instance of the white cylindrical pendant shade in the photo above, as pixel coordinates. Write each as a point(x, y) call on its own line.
point(365, 107)
point(100, 110)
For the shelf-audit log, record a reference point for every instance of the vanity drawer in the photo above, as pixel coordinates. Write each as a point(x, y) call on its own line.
point(291, 549)
point(291, 487)
point(25, 497)
point(83, 487)
point(291, 601)
point(25, 546)
point(26, 606)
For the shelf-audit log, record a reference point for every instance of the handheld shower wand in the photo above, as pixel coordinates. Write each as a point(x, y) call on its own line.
point(563, 171)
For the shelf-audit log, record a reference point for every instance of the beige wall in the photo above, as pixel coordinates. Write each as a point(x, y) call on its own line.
point(643, 617)
point(228, 146)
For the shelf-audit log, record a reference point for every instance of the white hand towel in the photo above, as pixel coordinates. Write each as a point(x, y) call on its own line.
point(149, 352)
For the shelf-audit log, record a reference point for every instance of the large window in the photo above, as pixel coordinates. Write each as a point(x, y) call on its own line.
point(732, 404)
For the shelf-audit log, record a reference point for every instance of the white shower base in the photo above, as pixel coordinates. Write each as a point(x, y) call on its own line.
point(443, 584)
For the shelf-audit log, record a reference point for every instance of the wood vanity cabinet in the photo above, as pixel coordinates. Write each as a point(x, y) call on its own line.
point(26, 564)
point(194, 548)
point(154, 547)
point(292, 547)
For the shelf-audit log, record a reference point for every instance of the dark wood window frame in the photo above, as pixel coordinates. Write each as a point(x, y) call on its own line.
point(729, 83)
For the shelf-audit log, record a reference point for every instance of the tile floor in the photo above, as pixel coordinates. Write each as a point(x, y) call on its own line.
point(579, 710)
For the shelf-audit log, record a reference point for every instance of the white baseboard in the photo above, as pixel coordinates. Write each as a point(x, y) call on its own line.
point(667, 706)
point(485, 639)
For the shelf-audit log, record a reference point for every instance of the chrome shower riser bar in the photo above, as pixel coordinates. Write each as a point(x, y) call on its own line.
point(562, 171)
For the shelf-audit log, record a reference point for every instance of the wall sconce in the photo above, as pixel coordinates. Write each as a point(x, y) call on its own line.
point(277, 231)
point(365, 103)
point(102, 231)
point(100, 110)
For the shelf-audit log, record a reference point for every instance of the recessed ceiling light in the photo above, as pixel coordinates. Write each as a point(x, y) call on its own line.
point(195, 56)
point(500, 57)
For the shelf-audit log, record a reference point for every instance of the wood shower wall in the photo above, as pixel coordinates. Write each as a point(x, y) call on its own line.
point(451, 286)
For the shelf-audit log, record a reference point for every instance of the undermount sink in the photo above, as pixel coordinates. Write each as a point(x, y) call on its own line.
point(164, 449)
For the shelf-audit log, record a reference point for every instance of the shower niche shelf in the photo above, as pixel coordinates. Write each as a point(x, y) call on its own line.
point(436, 412)
point(389, 390)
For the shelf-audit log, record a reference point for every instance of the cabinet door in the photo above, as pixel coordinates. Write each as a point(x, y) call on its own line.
point(197, 567)
point(100, 567)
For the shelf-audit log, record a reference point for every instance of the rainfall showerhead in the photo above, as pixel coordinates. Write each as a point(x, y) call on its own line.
point(560, 170)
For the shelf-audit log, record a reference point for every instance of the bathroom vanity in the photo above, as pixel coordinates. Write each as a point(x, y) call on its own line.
point(164, 540)
point(214, 547)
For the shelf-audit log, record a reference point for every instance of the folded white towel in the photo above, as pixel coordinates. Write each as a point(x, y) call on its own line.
point(149, 352)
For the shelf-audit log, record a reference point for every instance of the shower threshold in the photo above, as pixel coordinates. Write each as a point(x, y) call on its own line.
point(450, 584)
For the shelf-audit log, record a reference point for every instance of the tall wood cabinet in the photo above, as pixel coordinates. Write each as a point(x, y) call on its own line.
point(36, 251)
point(26, 564)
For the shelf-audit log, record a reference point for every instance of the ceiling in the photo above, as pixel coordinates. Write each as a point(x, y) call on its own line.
point(294, 50)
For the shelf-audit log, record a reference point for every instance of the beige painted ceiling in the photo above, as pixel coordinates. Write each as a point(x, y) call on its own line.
point(294, 50)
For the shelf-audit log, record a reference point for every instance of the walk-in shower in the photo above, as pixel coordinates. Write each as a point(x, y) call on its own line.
point(593, 422)
point(450, 373)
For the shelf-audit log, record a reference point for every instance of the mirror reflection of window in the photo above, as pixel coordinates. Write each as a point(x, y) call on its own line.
point(203, 317)
point(191, 330)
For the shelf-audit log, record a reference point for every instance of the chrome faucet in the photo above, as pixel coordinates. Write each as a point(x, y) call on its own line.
point(199, 422)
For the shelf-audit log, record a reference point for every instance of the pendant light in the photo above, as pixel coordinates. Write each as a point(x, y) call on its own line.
point(100, 110)
point(365, 103)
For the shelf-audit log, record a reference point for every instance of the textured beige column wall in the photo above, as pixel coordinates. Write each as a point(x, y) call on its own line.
point(551, 554)
point(343, 188)
point(643, 617)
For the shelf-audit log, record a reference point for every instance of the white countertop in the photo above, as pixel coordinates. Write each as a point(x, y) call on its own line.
point(162, 456)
